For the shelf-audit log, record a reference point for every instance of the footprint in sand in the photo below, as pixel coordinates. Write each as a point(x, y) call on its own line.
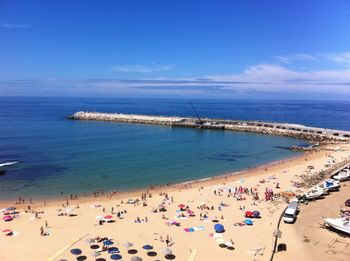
point(306, 239)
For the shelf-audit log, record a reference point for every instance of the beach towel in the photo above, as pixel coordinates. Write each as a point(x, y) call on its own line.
point(215, 235)
point(193, 229)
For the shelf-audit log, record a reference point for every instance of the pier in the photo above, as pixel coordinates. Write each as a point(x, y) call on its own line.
point(270, 128)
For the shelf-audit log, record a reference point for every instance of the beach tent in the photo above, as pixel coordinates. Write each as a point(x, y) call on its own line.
point(219, 228)
point(347, 203)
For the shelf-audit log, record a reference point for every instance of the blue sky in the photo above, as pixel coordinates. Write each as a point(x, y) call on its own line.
point(243, 49)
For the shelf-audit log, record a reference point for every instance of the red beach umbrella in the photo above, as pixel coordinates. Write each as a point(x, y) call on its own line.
point(7, 232)
point(7, 218)
point(181, 206)
point(108, 217)
point(248, 214)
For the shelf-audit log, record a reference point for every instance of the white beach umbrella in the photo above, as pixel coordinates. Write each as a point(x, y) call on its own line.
point(167, 251)
point(128, 244)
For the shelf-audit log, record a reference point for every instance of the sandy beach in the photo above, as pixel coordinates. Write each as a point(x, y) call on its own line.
point(185, 230)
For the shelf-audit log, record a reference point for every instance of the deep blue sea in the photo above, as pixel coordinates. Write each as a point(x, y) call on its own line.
point(58, 155)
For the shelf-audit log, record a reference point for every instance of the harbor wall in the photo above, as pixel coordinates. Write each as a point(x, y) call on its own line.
point(270, 128)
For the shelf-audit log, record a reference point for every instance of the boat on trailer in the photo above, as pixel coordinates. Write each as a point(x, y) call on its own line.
point(330, 185)
point(314, 193)
point(341, 224)
point(342, 175)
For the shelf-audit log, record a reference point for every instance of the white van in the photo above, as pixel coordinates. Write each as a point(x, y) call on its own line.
point(291, 212)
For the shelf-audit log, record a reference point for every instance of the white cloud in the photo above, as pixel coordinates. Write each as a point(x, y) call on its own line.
point(14, 26)
point(343, 58)
point(296, 57)
point(142, 68)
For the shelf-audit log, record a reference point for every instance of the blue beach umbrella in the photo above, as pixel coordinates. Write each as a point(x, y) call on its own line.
point(108, 243)
point(248, 222)
point(147, 247)
point(256, 214)
point(116, 257)
point(219, 228)
point(113, 250)
point(76, 251)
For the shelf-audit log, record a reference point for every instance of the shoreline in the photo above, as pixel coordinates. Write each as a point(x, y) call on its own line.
point(196, 183)
point(277, 176)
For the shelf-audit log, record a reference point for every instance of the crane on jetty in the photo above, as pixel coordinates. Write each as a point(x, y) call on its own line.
point(199, 122)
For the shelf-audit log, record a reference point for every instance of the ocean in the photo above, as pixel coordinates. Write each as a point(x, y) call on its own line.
point(59, 156)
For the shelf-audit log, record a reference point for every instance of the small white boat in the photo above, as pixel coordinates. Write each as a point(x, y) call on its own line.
point(320, 189)
point(342, 175)
point(341, 224)
point(330, 185)
point(314, 193)
point(8, 163)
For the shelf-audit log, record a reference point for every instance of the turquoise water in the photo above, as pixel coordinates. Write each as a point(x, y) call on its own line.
point(64, 156)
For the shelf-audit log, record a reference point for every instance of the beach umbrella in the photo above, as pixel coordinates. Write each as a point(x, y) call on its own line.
point(108, 242)
point(108, 217)
point(248, 214)
point(219, 228)
point(90, 240)
point(128, 244)
point(76, 251)
point(147, 247)
point(256, 214)
point(113, 250)
point(151, 253)
point(62, 260)
point(181, 206)
point(248, 222)
point(11, 208)
point(100, 259)
point(220, 241)
point(136, 258)
point(132, 251)
point(95, 246)
point(167, 251)
point(347, 203)
point(170, 257)
point(81, 258)
point(7, 232)
point(116, 257)
point(7, 218)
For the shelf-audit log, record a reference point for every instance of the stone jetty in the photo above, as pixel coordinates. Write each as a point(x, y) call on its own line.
point(271, 128)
